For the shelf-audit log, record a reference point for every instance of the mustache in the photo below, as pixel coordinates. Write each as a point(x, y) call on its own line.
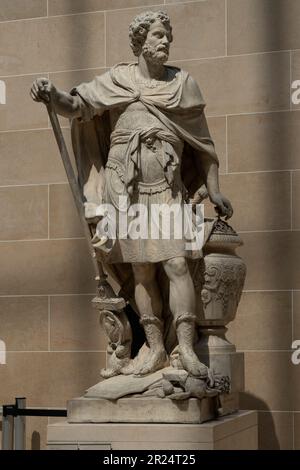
point(163, 48)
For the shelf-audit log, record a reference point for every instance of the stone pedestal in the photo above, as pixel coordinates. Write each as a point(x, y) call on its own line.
point(230, 364)
point(234, 432)
point(142, 410)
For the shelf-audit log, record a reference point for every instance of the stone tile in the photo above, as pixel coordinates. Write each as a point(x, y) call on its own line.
point(64, 7)
point(18, 9)
point(46, 267)
point(25, 212)
point(36, 433)
point(199, 31)
point(275, 431)
point(37, 155)
point(268, 315)
point(217, 128)
point(20, 111)
point(296, 200)
point(75, 325)
point(261, 201)
point(295, 55)
point(64, 219)
point(243, 84)
point(269, 141)
point(267, 379)
point(49, 379)
point(262, 25)
point(297, 430)
point(272, 260)
point(24, 323)
point(68, 80)
point(245, 440)
point(77, 42)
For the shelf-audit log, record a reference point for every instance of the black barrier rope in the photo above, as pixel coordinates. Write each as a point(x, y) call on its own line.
point(13, 410)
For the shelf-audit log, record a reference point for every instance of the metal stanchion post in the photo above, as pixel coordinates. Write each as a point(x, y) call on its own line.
point(7, 430)
point(14, 422)
point(20, 426)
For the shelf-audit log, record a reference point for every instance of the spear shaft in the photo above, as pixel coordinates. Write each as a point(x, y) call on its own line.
point(73, 185)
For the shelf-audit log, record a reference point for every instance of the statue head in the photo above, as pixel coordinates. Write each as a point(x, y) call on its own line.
point(150, 35)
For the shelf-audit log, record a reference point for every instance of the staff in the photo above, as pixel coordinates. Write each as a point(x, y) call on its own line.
point(106, 297)
point(105, 291)
point(73, 184)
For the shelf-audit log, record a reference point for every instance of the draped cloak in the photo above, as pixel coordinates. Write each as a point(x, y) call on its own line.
point(178, 104)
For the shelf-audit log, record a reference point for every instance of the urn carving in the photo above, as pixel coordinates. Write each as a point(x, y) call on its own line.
point(219, 287)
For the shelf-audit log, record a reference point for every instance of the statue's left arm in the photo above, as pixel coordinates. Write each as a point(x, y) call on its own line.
point(211, 174)
point(208, 160)
point(192, 127)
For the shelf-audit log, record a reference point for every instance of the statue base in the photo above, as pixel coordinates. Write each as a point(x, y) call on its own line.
point(230, 364)
point(142, 410)
point(234, 432)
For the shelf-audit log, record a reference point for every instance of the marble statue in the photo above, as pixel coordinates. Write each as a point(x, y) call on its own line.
point(140, 137)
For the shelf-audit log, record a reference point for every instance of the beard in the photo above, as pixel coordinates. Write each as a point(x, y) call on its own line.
point(153, 55)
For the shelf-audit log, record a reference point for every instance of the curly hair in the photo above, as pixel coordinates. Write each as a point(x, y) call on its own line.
point(140, 26)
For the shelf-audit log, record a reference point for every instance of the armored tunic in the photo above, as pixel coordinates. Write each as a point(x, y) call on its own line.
point(144, 167)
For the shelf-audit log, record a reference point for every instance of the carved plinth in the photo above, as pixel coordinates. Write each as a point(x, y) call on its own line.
point(141, 410)
point(117, 328)
point(115, 323)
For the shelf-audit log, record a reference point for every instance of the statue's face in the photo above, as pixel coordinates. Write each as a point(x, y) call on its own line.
point(157, 44)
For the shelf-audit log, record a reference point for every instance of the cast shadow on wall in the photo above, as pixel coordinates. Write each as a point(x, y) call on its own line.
point(267, 437)
point(35, 441)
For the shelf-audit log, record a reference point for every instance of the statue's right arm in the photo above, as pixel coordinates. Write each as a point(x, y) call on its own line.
point(65, 104)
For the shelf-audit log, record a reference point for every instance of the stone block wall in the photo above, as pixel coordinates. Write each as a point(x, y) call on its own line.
point(245, 54)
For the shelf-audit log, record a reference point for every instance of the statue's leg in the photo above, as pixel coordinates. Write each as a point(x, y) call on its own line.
point(182, 306)
point(149, 303)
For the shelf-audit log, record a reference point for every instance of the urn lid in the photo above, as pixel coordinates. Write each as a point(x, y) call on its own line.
point(222, 233)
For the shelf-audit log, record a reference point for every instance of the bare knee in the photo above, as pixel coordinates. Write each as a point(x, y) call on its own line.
point(144, 273)
point(176, 266)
